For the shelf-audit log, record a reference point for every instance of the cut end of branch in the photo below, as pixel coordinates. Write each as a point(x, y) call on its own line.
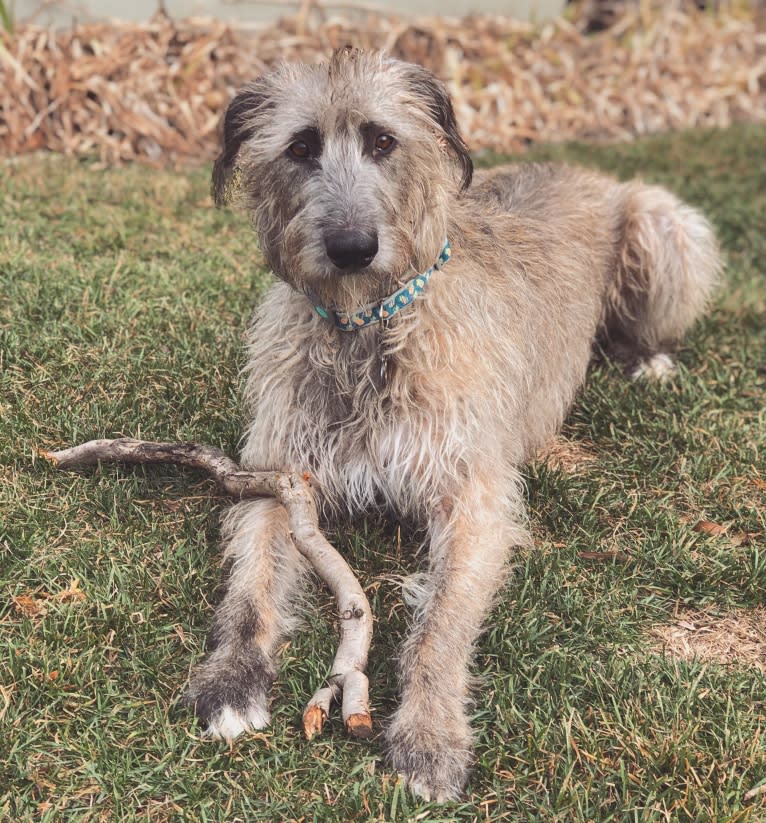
point(359, 726)
point(314, 719)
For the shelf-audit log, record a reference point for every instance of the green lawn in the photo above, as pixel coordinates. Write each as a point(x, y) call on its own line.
point(123, 298)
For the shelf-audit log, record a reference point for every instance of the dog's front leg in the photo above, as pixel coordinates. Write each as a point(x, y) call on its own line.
point(229, 690)
point(429, 737)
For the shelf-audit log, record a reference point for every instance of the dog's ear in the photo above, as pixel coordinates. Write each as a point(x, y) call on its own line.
point(239, 125)
point(435, 97)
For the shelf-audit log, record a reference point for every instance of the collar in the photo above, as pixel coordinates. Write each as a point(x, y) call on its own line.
point(376, 312)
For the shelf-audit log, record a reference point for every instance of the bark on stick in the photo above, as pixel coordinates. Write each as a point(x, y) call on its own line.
point(293, 491)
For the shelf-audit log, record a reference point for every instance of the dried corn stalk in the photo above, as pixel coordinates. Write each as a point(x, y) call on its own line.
point(155, 92)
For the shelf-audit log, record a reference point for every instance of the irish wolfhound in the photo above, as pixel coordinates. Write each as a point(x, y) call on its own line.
point(427, 334)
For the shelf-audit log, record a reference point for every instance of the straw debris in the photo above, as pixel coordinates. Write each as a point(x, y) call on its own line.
point(731, 638)
point(155, 92)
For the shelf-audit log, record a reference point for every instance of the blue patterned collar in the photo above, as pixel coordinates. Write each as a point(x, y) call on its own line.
point(375, 312)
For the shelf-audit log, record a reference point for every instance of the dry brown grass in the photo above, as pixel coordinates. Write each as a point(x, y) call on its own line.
point(565, 455)
point(731, 638)
point(155, 91)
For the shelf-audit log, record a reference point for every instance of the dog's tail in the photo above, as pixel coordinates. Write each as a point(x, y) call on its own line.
point(668, 267)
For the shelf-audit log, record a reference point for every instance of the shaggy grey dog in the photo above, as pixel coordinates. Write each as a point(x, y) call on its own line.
point(427, 335)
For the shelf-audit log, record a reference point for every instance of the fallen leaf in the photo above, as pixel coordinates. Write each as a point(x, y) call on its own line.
point(29, 606)
point(708, 527)
point(72, 592)
point(742, 538)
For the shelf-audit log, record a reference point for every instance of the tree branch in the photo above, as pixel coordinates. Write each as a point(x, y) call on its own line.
point(293, 491)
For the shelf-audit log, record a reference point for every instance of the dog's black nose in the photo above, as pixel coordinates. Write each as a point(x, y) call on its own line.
point(351, 248)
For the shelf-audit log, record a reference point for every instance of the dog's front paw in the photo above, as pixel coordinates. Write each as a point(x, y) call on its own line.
point(658, 368)
point(228, 722)
point(231, 700)
point(434, 763)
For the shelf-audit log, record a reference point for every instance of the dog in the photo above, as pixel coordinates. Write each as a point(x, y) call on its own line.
point(426, 335)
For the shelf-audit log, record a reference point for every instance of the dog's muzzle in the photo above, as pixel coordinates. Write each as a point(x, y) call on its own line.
point(351, 249)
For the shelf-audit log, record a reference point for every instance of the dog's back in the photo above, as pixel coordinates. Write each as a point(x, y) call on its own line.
point(655, 258)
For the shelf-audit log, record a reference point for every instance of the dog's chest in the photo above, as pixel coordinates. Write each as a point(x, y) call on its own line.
point(358, 436)
point(361, 424)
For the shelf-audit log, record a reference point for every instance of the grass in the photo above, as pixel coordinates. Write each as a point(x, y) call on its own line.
point(123, 297)
point(7, 15)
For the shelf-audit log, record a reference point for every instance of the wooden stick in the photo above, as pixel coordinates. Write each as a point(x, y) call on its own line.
point(294, 492)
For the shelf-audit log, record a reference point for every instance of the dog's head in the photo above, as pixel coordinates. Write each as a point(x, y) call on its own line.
point(349, 169)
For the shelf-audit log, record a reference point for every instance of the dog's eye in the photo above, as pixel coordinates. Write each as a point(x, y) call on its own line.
point(299, 150)
point(383, 144)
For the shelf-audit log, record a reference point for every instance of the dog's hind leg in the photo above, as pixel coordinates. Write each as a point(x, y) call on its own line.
point(229, 689)
point(429, 738)
point(668, 266)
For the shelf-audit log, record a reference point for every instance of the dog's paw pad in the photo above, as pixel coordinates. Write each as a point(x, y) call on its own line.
point(658, 367)
point(229, 723)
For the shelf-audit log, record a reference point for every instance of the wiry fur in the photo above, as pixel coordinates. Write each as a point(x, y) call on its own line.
point(479, 373)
